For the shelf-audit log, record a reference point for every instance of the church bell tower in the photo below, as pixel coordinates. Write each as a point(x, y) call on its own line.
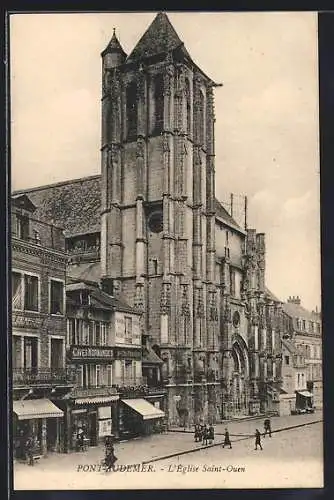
point(158, 200)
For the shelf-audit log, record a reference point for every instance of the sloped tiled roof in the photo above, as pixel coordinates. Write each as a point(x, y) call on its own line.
point(160, 37)
point(271, 296)
point(88, 272)
point(23, 201)
point(101, 298)
point(298, 311)
point(151, 358)
point(290, 346)
point(223, 214)
point(74, 205)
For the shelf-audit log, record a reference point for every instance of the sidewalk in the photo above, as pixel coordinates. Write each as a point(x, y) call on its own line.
point(158, 446)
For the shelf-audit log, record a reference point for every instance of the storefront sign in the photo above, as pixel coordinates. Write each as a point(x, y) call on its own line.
point(105, 427)
point(92, 352)
point(121, 353)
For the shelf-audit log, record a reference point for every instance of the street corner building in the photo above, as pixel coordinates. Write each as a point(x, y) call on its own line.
point(302, 388)
point(40, 376)
point(147, 240)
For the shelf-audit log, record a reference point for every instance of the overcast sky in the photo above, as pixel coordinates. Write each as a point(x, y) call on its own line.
point(266, 116)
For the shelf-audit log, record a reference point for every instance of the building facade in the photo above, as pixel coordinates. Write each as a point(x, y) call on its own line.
point(169, 246)
point(152, 227)
point(40, 376)
point(303, 332)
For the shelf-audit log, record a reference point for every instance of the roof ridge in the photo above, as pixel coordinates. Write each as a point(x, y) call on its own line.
point(59, 183)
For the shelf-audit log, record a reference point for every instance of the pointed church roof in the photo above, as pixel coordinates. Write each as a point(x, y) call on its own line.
point(160, 37)
point(114, 45)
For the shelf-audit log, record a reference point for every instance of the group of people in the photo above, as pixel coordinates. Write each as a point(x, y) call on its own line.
point(204, 434)
point(27, 448)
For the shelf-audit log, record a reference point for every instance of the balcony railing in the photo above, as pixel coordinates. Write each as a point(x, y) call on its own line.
point(42, 376)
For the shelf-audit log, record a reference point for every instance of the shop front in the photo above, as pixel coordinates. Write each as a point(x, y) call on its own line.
point(304, 402)
point(138, 417)
point(94, 417)
point(41, 420)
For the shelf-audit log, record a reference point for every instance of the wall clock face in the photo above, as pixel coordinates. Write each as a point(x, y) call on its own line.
point(155, 222)
point(236, 319)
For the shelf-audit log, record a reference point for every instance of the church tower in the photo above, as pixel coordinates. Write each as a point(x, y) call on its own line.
point(158, 207)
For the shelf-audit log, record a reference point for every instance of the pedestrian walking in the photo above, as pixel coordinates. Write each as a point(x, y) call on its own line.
point(205, 435)
point(110, 457)
point(227, 440)
point(211, 434)
point(197, 434)
point(29, 450)
point(267, 427)
point(258, 439)
point(80, 439)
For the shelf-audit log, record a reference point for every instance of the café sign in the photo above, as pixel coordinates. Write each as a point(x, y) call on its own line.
point(85, 352)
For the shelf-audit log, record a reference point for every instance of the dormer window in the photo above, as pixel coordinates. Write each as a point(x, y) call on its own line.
point(23, 227)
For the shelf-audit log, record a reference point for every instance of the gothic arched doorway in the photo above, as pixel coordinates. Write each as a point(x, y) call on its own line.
point(239, 393)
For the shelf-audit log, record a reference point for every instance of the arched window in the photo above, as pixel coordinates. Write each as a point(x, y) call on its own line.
point(159, 103)
point(201, 118)
point(188, 94)
point(131, 109)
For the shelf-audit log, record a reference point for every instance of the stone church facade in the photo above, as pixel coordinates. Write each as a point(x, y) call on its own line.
point(151, 231)
point(165, 239)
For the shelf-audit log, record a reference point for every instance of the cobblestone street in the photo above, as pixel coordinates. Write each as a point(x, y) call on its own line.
point(286, 452)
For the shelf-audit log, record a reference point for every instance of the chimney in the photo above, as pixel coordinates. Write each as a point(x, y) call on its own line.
point(294, 300)
point(107, 285)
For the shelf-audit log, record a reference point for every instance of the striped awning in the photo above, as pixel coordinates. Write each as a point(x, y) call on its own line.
point(36, 408)
point(96, 400)
point(144, 408)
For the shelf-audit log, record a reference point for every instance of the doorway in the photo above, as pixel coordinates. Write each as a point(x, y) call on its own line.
point(92, 423)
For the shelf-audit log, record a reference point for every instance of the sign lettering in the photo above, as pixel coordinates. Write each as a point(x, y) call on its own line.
point(92, 352)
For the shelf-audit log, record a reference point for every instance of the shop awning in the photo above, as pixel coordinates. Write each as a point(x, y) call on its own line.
point(144, 408)
point(36, 408)
point(305, 394)
point(96, 400)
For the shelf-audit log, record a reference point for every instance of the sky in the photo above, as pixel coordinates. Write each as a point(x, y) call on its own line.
point(266, 116)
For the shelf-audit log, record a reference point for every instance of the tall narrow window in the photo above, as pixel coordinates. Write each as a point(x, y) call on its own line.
point(159, 103)
point(155, 266)
point(97, 334)
point(128, 330)
point(131, 109)
point(201, 118)
point(85, 334)
point(109, 375)
point(16, 290)
point(30, 293)
point(98, 376)
point(57, 297)
point(23, 227)
point(188, 96)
